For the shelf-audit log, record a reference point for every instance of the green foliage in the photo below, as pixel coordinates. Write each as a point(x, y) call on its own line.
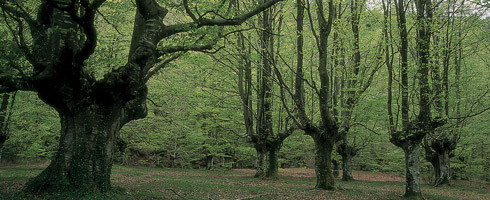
point(196, 112)
point(34, 130)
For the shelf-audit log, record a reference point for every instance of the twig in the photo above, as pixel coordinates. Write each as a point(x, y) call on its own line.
point(107, 21)
point(177, 193)
point(253, 197)
point(366, 127)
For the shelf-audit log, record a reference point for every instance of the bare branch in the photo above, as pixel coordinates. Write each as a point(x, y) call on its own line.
point(366, 127)
point(112, 24)
point(160, 66)
point(17, 11)
point(188, 10)
point(201, 22)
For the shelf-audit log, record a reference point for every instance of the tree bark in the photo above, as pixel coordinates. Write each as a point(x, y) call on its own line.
point(347, 152)
point(443, 172)
point(441, 158)
point(84, 158)
point(412, 166)
point(273, 166)
point(347, 167)
point(261, 162)
point(323, 162)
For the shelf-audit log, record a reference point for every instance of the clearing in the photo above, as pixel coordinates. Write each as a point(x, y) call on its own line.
point(158, 183)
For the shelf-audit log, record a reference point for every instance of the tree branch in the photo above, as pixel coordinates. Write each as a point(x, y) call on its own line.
point(9, 84)
point(188, 10)
point(18, 12)
point(201, 22)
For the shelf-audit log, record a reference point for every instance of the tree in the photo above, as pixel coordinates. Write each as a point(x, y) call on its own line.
point(6, 109)
point(267, 141)
point(448, 49)
point(326, 133)
point(413, 130)
point(352, 79)
point(61, 37)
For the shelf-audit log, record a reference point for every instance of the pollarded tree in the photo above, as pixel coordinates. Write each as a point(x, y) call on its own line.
point(413, 130)
point(327, 131)
point(266, 140)
point(454, 19)
point(58, 40)
point(352, 79)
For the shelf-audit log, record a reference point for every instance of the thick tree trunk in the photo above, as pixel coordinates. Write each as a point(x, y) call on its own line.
point(412, 154)
point(323, 163)
point(347, 167)
point(273, 166)
point(441, 169)
point(438, 154)
point(435, 167)
point(261, 163)
point(85, 153)
point(347, 152)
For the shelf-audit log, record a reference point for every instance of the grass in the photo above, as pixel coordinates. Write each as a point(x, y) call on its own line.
point(157, 183)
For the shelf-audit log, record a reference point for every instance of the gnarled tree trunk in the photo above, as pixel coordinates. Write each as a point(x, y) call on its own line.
point(347, 167)
point(62, 38)
point(443, 172)
point(85, 153)
point(323, 162)
point(273, 165)
point(347, 152)
point(438, 150)
point(412, 169)
point(261, 162)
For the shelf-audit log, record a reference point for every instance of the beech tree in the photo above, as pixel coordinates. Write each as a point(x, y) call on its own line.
point(327, 131)
point(58, 40)
point(423, 123)
point(352, 77)
point(6, 109)
point(267, 140)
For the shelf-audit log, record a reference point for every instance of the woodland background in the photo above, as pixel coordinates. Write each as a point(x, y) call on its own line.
point(196, 117)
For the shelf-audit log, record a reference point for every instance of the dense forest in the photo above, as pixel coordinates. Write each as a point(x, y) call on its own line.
point(338, 86)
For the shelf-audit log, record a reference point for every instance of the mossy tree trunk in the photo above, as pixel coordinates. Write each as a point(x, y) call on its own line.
point(347, 167)
point(323, 161)
point(1, 151)
point(273, 164)
point(261, 162)
point(443, 176)
point(209, 162)
point(412, 169)
point(438, 152)
point(347, 152)
point(84, 158)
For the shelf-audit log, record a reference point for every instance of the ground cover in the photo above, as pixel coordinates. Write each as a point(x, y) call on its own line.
point(158, 183)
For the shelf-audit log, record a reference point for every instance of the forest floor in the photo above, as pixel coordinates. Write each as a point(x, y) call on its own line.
point(158, 183)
